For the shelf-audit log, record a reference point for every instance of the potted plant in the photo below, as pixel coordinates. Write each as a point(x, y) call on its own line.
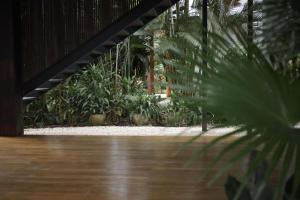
point(117, 108)
point(140, 119)
point(143, 109)
point(94, 93)
point(97, 119)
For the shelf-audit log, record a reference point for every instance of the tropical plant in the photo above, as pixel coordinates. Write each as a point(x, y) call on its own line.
point(180, 112)
point(37, 114)
point(179, 116)
point(245, 84)
point(252, 187)
point(132, 85)
point(131, 56)
point(95, 90)
point(145, 105)
point(57, 107)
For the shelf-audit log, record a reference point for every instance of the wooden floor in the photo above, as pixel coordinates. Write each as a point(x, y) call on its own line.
point(103, 168)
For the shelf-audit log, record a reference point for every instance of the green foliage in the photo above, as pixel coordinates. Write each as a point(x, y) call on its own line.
point(252, 86)
point(145, 105)
point(95, 90)
point(281, 35)
point(179, 117)
point(256, 187)
point(37, 114)
point(232, 186)
point(140, 52)
point(249, 89)
point(54, 108)
point(132, 85)
point(180, 112)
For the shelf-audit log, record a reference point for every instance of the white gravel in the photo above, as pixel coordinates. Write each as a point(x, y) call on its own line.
point(126, 131)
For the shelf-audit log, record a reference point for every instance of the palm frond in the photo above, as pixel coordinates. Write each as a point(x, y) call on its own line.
point(252, 94)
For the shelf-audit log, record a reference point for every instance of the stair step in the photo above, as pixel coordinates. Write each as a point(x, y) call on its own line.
point(132, 29)
point(47, 85)
point(108, 47)
point(151, 13)
point(101, 48)
point(96, 53)
point(147, 19)
point(109, 43)
point(123, 33)
point(69, 71)
point(137, 22)
point(165, 3)
point(38, 91)
point(28, 98)
point(118, 39)
point(55, 80)
point(83, 61)
point(41, 89)
point(161, 9)
point(112, 36)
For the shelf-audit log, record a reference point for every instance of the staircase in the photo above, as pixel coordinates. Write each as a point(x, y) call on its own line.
point(93, 47)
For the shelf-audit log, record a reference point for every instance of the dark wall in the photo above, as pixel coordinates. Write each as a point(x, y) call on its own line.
point(11, 118)
point(53, 28)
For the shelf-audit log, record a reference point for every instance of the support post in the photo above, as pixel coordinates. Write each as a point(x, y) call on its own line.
point(151, 89)
point(11, 117)
point(250, 33)
point(250, 28)
point(204, 52)
point(169, 81)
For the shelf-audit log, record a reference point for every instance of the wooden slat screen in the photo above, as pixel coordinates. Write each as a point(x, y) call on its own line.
point(51, 29)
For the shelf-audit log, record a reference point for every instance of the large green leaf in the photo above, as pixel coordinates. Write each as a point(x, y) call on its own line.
point(250, 92)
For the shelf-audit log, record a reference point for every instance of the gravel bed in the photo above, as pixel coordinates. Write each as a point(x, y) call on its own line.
point(126, 131)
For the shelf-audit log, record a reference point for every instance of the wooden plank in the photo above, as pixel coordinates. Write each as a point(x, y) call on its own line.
point(11, 121)
point(106, 168)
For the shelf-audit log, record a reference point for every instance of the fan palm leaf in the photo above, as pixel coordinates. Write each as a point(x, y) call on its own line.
point(252, 94)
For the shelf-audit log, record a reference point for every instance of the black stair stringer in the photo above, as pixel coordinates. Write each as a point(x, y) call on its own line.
point(93, 48)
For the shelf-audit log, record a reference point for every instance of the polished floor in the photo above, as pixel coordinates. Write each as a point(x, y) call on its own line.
point(103, 168)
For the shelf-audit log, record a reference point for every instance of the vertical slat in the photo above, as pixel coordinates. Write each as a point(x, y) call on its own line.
point(54, 28)
point(89, 18)
point(108, 15)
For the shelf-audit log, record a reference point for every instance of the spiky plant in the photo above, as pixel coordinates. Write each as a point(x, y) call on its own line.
point(256, 96)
